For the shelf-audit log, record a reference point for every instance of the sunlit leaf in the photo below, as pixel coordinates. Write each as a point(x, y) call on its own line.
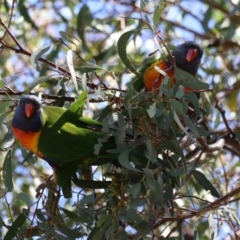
point(122, 46)
point(210, 221)
point(34, 59)
point(152, 110)
point(158, 11)
point(36, 82)
point(69, 57)
point(232, 100)
point(179, 123)
point(66, 36)
point(84, 81)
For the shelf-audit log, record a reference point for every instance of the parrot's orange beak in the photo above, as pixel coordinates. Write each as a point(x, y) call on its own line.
point(191, 54)
point(29, 109)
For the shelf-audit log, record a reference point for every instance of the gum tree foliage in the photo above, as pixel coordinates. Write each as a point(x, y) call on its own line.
point(183, 183)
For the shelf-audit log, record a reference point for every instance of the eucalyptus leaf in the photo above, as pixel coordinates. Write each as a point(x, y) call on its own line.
point(122, 46)
point(144, 228)
point(205, 183)
point(18, 222)
point(25, 198)
point(84, 20)
point(7, 171)
point(34, 59)
point(69, 58)
point(124, 161)
point(72, 215)
point(89, 67)
point(152, 110)
point(36, 82)
point(191, 125)
point(176, 106)
point(188, 80)
point(151, 183)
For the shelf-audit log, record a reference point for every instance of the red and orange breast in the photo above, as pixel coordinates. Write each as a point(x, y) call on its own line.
point(28, 139)
point(153, 78)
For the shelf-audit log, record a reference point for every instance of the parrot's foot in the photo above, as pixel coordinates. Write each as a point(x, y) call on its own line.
point(50, 184)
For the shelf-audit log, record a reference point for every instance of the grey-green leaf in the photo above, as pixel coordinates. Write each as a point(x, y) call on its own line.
point(25, 198)
point(37, 54)
point(205, 183)
point(122, 46)
point(124, 161)
point(89, 67)
point(176, 106)
point(7, 171)
point(151, 183)
point(14, 228)
point(188, 80)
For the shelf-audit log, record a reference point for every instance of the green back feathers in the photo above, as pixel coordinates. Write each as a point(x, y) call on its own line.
point(67, 137)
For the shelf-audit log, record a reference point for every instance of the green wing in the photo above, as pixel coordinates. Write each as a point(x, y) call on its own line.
point(68, 140)
point(68, 137)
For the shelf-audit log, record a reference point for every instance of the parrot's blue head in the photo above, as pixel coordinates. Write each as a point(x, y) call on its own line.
point(188, 57)
point(28, 115)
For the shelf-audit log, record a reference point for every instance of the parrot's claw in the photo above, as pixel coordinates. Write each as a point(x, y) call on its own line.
point(50, 185)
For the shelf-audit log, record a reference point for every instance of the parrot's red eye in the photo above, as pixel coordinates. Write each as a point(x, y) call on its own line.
point(29, 109)
point(191, 54)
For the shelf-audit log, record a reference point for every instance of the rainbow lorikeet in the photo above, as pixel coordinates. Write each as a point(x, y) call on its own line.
point(187, 57)
point(62, 137)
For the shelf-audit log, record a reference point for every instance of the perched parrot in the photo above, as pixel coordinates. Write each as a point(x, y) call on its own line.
point(62, 137)
point(187, 57)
